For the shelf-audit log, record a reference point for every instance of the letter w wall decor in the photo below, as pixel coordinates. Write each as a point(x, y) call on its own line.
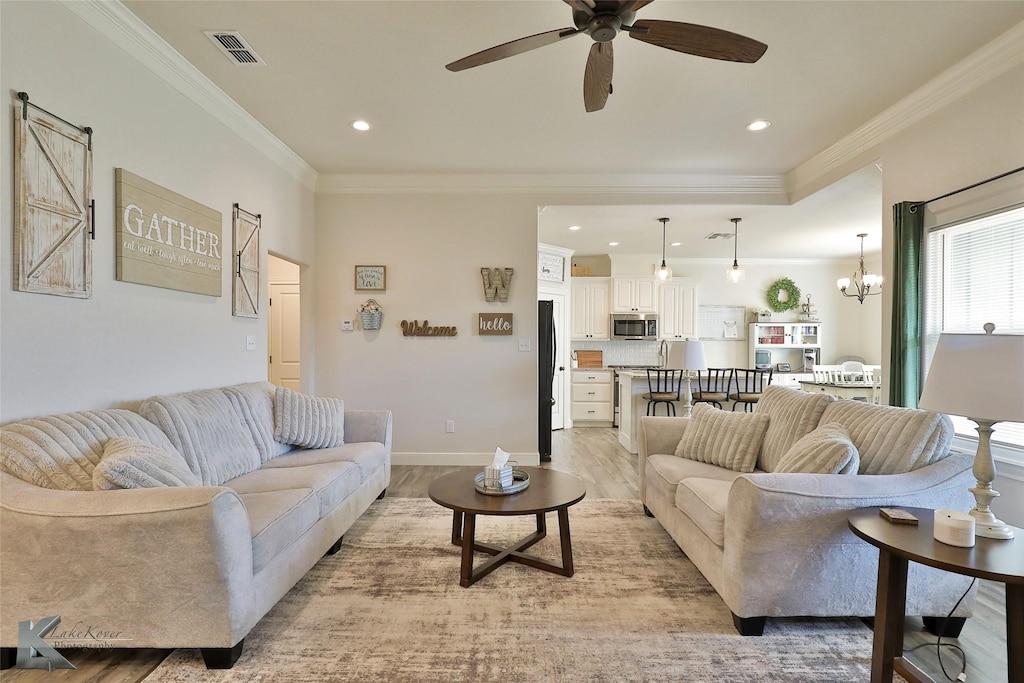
point(496, 283)
point(53, 210)
point(246, 288)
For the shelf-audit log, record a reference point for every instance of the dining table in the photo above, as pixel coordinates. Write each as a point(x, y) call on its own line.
point(858, 391)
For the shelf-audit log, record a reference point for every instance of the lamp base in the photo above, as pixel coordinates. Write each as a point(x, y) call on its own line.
point(996, 529)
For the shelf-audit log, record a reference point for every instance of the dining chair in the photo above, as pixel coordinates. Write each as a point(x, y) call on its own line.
point(853, 371)
point(827, 374)
point(713, 386)
point(663, 386)
point(749, 385)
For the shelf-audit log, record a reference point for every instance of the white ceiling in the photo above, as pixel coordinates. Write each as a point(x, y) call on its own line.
point(830, 67)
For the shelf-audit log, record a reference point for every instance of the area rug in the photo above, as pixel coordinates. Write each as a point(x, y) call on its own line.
point(388, 607)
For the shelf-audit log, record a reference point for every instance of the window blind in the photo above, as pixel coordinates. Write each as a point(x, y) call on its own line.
point(974, 274)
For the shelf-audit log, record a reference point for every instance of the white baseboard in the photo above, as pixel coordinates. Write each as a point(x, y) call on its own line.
point(481, 459)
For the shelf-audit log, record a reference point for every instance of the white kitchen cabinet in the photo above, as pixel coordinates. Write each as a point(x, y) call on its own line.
point(590, 309)
point(634, 295)
point(592, 398)
point(677, 311)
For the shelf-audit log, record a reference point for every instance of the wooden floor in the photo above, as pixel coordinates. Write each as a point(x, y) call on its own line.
point(594, 455)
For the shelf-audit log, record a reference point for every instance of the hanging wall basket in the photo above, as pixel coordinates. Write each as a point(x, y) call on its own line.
point(783, 284)
point(371, 314)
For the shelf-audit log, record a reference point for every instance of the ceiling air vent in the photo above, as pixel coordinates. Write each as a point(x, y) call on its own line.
point(719, 236)
point(232, 44)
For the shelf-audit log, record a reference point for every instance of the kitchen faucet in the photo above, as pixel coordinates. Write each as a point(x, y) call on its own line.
point(663, 353)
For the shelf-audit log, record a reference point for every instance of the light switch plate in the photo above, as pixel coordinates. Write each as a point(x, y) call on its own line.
point(347, 326)
point(524, 344)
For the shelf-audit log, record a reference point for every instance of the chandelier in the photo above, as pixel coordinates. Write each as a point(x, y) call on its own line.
point(664, 272)
point(862, 280)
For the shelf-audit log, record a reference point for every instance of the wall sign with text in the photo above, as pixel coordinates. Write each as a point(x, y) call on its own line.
point(165, 239)
point(495, 324)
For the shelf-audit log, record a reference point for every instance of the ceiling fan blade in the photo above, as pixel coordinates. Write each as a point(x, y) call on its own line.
point(585, 6)
point(634, 5)
point(597, 78)
point(703, 41)
point(512, 48)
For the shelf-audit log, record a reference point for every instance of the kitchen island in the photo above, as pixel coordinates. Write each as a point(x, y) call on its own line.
point(632, 406)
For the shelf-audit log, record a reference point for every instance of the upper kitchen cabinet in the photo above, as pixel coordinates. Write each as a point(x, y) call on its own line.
point(677, 311)
point(634, 295)
point(590, 309)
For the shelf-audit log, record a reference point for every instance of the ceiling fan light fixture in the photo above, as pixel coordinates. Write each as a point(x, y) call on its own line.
point(664, 272)
point(736, 274)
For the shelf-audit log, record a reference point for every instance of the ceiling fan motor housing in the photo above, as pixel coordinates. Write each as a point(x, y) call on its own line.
point(602, 27)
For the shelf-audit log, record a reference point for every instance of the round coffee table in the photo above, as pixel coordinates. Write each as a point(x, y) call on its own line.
point(548, 490)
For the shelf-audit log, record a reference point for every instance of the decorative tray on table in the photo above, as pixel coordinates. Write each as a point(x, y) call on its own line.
point(520, 480)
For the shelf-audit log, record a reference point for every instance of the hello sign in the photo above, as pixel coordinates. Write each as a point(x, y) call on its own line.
point(495, 324)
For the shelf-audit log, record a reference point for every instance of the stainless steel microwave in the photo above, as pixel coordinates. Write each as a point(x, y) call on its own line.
point(641, 326)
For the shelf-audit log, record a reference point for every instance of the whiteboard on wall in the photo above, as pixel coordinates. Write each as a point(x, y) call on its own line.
point(722, 323)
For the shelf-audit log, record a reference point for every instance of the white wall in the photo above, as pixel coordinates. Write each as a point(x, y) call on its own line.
point(129, 341)
point(977, 137)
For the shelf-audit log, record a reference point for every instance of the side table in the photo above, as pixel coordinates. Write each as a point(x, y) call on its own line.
point(897, 544)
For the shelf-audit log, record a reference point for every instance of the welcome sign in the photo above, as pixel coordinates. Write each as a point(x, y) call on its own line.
point(165, 239)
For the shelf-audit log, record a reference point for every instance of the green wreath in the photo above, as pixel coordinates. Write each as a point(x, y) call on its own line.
point(783, 284)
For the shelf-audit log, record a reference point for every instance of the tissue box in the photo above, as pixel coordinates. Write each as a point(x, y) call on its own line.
point(498, 477)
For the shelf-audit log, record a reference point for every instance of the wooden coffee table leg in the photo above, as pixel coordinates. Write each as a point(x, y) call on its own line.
point(563, 532)
point(456, 528)
point(890, 605)
point(1015, 631)
point(468, 537)
point(542, 523)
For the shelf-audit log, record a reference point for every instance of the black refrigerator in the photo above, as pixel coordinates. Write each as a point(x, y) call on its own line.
point(547, 345)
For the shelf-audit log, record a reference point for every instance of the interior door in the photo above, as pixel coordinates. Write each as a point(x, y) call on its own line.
point(559, 385)
point(285, 368)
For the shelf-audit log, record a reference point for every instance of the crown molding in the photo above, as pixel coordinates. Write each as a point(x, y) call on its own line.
point(765, 187)
point(980, 67)
point(114, 21)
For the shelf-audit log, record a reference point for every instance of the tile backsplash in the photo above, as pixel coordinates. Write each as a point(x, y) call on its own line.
point(623, 352)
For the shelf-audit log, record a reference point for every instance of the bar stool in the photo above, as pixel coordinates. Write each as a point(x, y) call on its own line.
point(750, 385)
point(663, 386)
point(713, 387)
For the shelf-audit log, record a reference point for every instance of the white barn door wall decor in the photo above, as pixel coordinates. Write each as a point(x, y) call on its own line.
point(246, 280)
point(53, 208)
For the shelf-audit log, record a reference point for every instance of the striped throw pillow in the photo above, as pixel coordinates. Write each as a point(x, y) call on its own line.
point(308, 421)
point(826, 450)
point(727, 439)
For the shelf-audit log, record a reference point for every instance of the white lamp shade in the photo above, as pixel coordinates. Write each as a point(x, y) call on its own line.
point(978, 376)
point(693, 356)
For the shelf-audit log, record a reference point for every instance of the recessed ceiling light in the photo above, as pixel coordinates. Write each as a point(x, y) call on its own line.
point(361, 125)
point(760, 124)
point(613, 244)
point(675, 244)
point(574, 227)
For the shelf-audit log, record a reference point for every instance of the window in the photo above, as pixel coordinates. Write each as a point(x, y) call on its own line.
point(974, 274)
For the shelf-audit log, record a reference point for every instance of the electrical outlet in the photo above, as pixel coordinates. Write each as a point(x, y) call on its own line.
point(250, 342)
point(449, 426)
point(347, 326)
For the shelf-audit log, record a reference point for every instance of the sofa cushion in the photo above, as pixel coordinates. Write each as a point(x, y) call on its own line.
point(722, 438)
point(892, 440)
point(333, 482)
point(826, 450)
point(308, 421)
point(204, 427)
point(664, 472)
point(130, 463)
point(705, 501)
point(61, 451)
point(791, 414)
point(255, 403)
point(277, 519)
point(368, 456)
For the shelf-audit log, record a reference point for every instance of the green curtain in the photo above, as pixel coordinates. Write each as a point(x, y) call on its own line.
point(905, 351)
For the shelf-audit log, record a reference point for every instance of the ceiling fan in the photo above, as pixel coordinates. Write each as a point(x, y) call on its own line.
point(602, 20)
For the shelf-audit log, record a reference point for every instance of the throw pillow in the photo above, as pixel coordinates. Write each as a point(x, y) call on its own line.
point(826, 450)
point(722, 438)
point(308, 421)
point(791, 414)
point(134, 464)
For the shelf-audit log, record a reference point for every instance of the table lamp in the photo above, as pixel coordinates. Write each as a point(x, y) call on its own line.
point(693, 361)
point(980, 377)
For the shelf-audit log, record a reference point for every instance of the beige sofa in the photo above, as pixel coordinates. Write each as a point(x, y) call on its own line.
point(175, 566)
point(776, 544)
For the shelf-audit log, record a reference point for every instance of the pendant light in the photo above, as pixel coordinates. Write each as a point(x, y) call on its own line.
point(736, 273)
point(664, 272)
point(862, 279)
